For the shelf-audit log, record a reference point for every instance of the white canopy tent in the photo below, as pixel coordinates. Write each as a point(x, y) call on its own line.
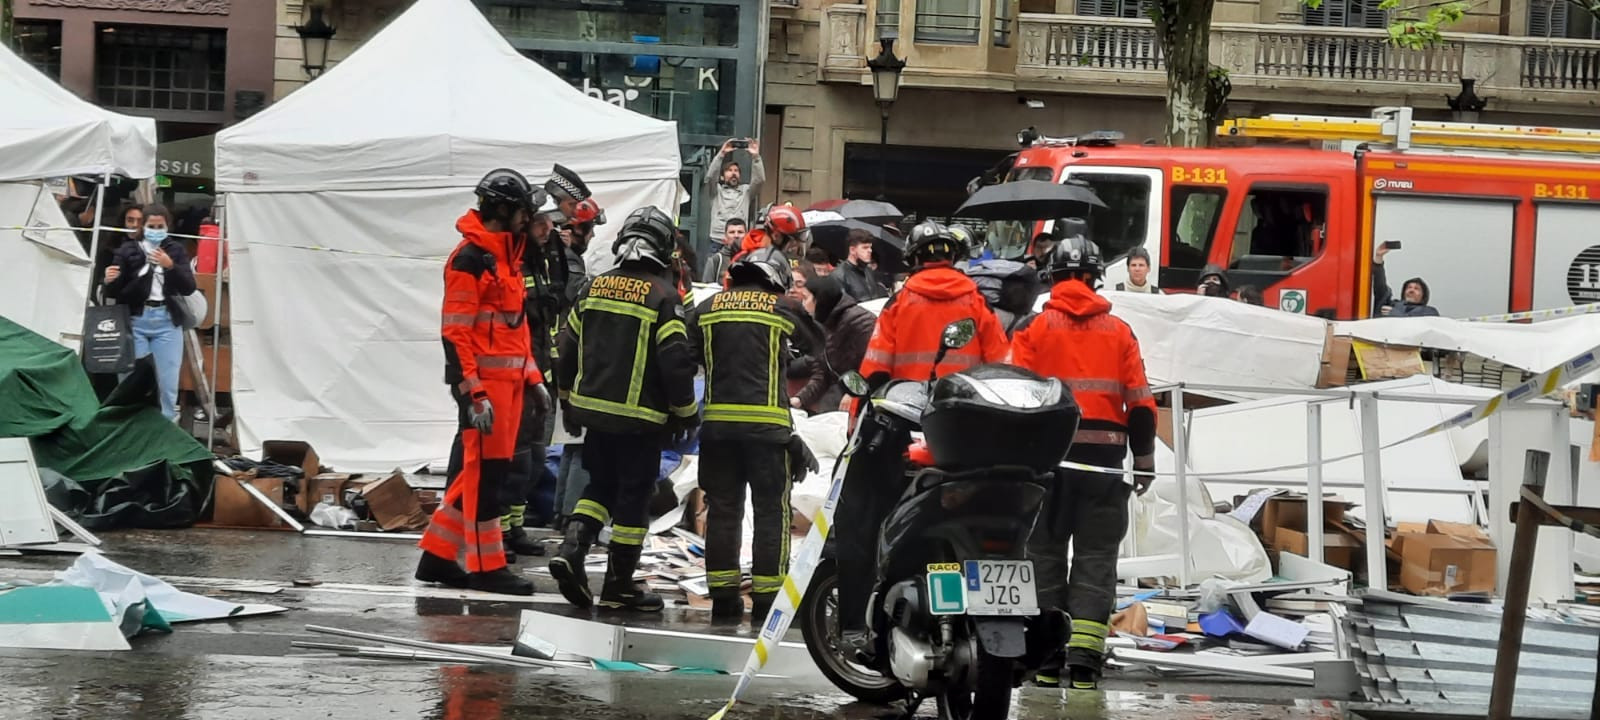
point(340, 205)
point(47, 132)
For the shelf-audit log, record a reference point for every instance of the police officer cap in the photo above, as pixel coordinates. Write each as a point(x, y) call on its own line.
point(564, 183)
point(647, 234)
point(767, 266)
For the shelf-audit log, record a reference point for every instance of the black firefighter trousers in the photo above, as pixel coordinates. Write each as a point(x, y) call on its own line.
point(622, 477)
point(726, 467)
point(1090, 511)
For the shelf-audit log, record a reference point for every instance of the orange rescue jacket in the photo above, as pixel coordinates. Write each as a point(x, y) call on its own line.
point(483, 315)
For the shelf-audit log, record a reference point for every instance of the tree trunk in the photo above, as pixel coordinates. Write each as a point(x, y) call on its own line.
point(5, 25)
point(1184, 27)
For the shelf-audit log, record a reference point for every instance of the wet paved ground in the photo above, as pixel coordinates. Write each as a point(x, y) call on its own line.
point(243, 669)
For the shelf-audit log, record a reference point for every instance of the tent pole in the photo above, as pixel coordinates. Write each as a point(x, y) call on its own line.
point(94, 245)
point(216, 322)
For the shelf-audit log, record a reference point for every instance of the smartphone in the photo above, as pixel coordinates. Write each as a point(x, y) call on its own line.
point(740, 144)
point(1392, 244)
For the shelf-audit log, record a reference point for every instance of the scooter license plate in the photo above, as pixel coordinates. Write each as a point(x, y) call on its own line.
point(1000, 587)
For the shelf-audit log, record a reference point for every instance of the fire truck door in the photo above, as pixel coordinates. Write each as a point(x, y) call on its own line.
point(1566, 255)
point(1460, 247)
point(1277, 247)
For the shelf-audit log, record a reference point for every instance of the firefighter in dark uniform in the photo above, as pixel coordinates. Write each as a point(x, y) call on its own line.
point(742, 338)
point(1077, 340)
point(490, 367)
point(544, 277)
point(627, 377)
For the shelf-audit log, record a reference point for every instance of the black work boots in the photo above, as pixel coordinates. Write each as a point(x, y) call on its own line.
point(620, 592)
point(434, 569)
point(518, 541)
point(501, 581)
point(567, 566)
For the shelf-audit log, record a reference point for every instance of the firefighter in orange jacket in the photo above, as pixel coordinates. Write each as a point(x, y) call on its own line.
point(1077, 340)
point(491, 371)
point(903, 347)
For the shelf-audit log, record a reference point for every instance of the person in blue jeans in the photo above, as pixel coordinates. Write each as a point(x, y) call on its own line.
point(148, 273)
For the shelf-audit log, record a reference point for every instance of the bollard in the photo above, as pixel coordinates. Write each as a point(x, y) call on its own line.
point(1518, 584)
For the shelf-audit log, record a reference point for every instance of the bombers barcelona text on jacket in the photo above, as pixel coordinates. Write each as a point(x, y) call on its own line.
point(626, 364)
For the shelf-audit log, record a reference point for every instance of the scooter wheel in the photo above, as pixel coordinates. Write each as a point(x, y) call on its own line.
point(819, 625)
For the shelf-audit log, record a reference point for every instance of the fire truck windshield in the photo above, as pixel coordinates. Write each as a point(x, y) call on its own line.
point(1120, 225)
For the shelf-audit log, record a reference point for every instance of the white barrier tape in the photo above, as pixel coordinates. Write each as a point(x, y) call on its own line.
point(123, 231)
point(788, 601)
point(102, 228)
point(1539, 315)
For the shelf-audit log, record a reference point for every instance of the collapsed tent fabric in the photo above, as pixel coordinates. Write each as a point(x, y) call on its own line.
point(341, 207)
point(136, 468)
point(46, 131)
point(46, 272)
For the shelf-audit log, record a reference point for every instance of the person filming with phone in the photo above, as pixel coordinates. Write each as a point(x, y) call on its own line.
point(731, 193)
point(1413, 300)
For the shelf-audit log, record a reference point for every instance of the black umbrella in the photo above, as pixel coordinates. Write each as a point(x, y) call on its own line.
point(1029, 200)
point(872, 211)
point(887, 248)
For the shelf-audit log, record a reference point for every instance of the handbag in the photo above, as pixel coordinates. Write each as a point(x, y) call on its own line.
point(194, 308)
point(107, 339)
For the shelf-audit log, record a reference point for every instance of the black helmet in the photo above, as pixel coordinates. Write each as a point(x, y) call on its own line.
point(1075, 256)
point(504, 185)
point(647, 234)
point(932, 241)
point(765, 266)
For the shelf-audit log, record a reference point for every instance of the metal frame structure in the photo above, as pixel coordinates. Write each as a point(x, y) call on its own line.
point(1376, 489)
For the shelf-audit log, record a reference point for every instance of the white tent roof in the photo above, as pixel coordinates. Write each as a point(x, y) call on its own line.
point(46, 131)
point(437, 99)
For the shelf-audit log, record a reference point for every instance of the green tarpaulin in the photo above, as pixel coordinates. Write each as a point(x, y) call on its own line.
point(135, 468)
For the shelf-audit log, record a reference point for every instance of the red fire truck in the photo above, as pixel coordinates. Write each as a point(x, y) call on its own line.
point(1495, 218)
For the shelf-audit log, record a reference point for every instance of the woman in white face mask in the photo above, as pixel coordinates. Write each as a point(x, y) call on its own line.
point(148, 272)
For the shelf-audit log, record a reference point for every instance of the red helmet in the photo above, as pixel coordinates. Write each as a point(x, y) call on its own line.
point(786, 222)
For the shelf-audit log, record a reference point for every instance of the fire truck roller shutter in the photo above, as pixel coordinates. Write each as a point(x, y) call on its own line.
point(1566, 255)
point(1461, 247)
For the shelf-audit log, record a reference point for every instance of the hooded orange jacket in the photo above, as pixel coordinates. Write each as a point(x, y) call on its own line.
point(483, 314)
point(912, 324)
point(1077, 340)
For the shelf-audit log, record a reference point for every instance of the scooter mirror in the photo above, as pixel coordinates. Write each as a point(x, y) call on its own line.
point(959, 333)
point(854, 384)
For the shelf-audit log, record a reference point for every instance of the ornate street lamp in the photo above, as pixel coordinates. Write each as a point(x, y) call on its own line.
point(886, 70)
point(314, 37)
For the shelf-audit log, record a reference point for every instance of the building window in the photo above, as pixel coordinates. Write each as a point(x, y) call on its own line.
point(948, 21)
point(1002, 23)
point(1555, 19)
point(39, 43)
point(636, 21)
point(1115, 8)
point(697, 93)
point(145, 67)
point(1347, 13)
point(888, 20)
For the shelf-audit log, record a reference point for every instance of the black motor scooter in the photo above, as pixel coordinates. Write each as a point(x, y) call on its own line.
point(954, 612)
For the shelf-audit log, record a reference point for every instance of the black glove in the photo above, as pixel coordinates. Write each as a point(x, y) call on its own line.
point(1141, 483)
point(538, 400)
point(801, 460)
point(569, 421)
point(680, 428)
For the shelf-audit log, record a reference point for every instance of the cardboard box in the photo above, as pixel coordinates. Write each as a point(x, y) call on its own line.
point(1289, 512)
point(233, 507)
point(1385, 362)
point(1436, 564)
point(393, 504)
point(1339, 550)
point(1464, 531)
point(206, 284)
point(212, 356)
point(1335, 360)
point(295, 453)
point(324, 486)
